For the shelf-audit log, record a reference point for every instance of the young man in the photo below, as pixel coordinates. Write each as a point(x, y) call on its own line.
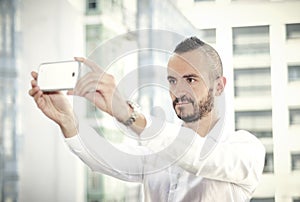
point(203, 163)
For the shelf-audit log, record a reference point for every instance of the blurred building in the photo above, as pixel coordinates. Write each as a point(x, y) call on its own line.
point(259, 42)
point(104, 20)
point(9, 125)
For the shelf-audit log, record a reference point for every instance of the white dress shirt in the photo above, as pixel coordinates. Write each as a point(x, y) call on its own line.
point(223, 167)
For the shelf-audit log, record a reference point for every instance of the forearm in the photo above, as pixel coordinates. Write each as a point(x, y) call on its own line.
point(69, 127)
point(139, 125)
point(101, 156)
point(132, 118)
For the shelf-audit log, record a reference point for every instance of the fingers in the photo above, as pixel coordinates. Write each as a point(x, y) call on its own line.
point(79, 59)
point(35, 91)
point(33, 83)
point(37, 94)
point(89, 80)
point(34, 87)
point(32, 92)
point(34, 75)
point(92, 82)
point(94, 67)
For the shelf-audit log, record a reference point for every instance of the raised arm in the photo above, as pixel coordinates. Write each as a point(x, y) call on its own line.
point(55, 106)
point(100, 89)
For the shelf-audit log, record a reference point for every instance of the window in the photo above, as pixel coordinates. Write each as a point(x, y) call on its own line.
point(92, 6)
point(296, 161)
point(251, 40)
point(257, 122)
point(296, 199)
point(293, 31)
point(208, 35)
point(252, 82)
point(294, 116)
point(93, 37)
point(95, 187)
point(269, 164)
point(6, 34)
point(262, 200)
point(294, 73)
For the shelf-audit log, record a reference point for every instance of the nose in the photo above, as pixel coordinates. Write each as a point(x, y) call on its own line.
point(180, 89)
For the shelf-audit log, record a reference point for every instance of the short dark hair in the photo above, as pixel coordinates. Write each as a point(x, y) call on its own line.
point(188, 44)
point(193, 43)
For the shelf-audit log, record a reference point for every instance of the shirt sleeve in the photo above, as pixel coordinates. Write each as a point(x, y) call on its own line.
point(101, 156)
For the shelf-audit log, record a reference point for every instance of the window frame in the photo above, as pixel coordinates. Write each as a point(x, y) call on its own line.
point(251, 72)
point(293, 111)
point(293, 28)
point(297, 166)
point(94, 11)
point(293, 73)
point(244, 37)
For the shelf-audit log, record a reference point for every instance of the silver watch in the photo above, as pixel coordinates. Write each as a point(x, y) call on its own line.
point(134, 115)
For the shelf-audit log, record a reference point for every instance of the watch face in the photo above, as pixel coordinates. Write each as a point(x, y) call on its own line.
point(134, 115)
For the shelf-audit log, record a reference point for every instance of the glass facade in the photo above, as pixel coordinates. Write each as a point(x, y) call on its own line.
point(101, 187)
point(8, 103)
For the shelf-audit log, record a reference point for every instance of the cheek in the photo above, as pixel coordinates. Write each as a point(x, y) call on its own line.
point(172, 95)
point(200, 93)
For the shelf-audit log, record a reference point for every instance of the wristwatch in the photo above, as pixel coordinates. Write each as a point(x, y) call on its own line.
point(134, 115)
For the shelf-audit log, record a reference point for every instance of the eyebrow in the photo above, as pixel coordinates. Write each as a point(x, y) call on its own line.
point(185, 76)
point(191, 75)
point(170, 77)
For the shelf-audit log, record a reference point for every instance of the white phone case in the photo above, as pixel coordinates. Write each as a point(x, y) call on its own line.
point(56, 76)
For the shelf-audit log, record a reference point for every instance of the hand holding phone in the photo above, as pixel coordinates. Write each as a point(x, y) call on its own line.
point(57, 76)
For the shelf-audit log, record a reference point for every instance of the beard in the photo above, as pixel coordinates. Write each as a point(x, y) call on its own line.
point(198, 111)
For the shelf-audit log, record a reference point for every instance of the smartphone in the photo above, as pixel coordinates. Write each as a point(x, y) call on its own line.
point(57, 76)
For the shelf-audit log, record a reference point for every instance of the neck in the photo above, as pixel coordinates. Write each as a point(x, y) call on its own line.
point(204, 125)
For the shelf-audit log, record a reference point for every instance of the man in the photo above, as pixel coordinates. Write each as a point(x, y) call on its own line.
point(203, 164)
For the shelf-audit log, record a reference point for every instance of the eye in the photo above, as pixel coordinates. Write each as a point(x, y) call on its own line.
point(190, 80)
point(172, 81)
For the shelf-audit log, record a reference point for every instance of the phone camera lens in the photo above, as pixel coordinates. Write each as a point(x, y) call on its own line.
point(73, 74)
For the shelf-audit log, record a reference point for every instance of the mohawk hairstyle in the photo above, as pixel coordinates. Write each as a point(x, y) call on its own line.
point(193, 43)
point(189, 44)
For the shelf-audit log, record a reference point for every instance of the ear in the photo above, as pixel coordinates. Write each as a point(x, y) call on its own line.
point(221, 82)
